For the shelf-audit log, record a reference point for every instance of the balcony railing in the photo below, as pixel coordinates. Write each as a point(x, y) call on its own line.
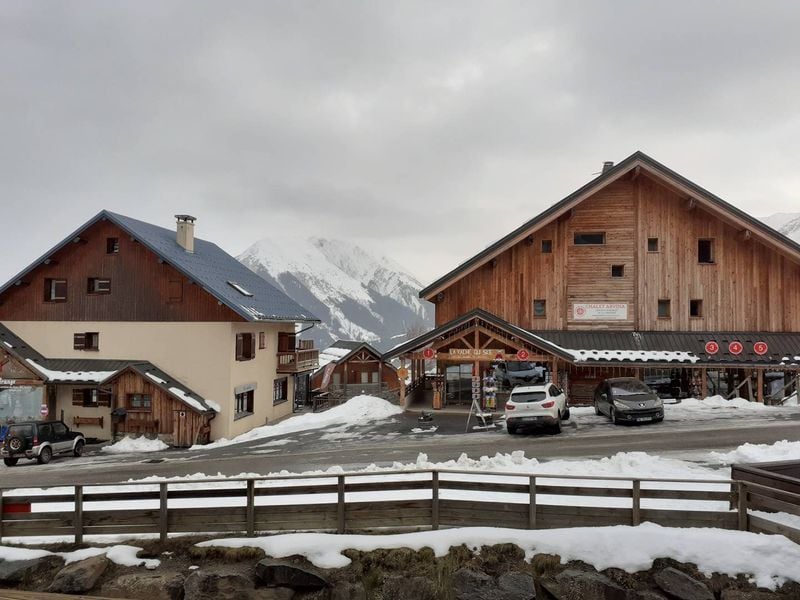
point(298, 361)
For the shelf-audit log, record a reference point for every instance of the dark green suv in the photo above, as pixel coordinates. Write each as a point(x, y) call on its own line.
point(40, 440)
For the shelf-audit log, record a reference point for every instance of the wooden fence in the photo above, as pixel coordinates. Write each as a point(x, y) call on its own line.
point(387, 501)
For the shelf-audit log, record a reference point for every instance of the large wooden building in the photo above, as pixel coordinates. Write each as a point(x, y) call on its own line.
point(171, 330)
point(639, 272)
point(349, 368)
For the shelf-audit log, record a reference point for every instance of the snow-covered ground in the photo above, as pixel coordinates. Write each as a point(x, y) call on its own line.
point(361, 410)
point(122, 555)
point(630, 548)
point(135, 445)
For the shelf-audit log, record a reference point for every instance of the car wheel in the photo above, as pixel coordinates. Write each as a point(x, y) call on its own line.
point(15, 444)
point(557, 426)
point(78, 451)
point(597, 408)
point(613, 414)
point(566, 414)
point(45, 454)
point(512, 429)
point(10, 462)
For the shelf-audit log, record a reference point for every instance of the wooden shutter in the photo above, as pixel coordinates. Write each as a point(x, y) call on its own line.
point(239, 346)
point(79, 341)
point(252, 346)
point(77, 397)
point(103, 398)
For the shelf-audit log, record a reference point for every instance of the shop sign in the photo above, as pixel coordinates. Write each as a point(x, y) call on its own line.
point(735, 348)
point(523, 354)
point(600, 311)
point(402, 373)
point(7, 381)
point(428, 353)
point(712, 347)
point(44, 411)
point(760, 348)
point(474, 353)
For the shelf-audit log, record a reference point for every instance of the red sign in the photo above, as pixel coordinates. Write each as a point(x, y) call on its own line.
point(523, 354)
point(735, 348)
point(712, 347)
point(44, 411)
point(428, 353)
point(760, 348)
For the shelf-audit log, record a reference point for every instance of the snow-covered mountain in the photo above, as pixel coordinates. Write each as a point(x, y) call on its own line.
point(787, 223)
point(357, 295)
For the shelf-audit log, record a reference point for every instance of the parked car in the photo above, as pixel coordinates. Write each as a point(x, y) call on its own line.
point(40, 440)
point(511, 373)
point(536, 405)
point(628, 400)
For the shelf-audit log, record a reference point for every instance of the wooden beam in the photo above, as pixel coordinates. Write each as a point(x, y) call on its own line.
point(636, 170)
point(760, 385)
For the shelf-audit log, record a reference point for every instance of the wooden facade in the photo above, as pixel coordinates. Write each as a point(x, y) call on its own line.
point(143, 288)
point(363, 366)
point(750, 286)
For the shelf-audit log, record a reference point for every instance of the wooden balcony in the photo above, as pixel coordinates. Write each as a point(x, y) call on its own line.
point(298, 361)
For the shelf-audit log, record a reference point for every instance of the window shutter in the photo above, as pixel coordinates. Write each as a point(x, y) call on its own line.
point(79, 341)
point(252, 346)
point(103, 398)
point(239, 346)
point(77, 397)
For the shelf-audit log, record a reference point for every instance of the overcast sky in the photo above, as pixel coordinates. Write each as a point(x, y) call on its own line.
point(424, 130)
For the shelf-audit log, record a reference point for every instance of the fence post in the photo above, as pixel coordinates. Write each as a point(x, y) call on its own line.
point(1, 515)
point(636, 515)
point(532, 503)
point(742, 508)
point(435, 499)
point(163, 513)
point(340, 504)
point(78, 514)
point(251, 508)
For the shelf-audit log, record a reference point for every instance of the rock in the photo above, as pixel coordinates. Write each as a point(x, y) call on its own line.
point(14, 572)
point(201, 585)
point(79, 577)
point(572, 584)
point(746, 595)
point(348, 591)
point(409, 588)
point(648, 595)
point(146, 586)
point(282, 573)
point(680, 586)
point(517, 586)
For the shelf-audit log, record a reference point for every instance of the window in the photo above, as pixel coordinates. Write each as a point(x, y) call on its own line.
point(547, 246)
point(364, 377)
point(664, 309)
point(705, 252)
point(112, 245)
point(245, 346)
point(139, 402)
point(262, 340)
point(590, 239)
point(55, 290)
point(99, 286)
point(652, 244)
point(244, 403)
point(618, 270)
point(91, 397)
point(695, 308)
point(175, 290)
point(86, 341)
point(539, 308)
point(280, 391)
point(60, 430)
point(376, 377)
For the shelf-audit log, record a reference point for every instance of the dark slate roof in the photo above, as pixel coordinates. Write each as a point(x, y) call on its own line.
point(348, 344)
point(165, 381)
point(610, 174)
point(784, 348)
point(209, 266)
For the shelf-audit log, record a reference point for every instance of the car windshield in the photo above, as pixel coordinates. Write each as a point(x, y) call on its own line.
point(528, 396)
point(630, 387)
point(519, 366)
point(20, 431)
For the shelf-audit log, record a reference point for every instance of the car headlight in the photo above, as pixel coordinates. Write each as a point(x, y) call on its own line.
point(619, 405)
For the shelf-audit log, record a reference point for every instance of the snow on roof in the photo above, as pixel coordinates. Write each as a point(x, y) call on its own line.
point(7, 344)
point(633, 356)
point(83, 376)
point(332, 354)
point(179, 393)
point(239, 288)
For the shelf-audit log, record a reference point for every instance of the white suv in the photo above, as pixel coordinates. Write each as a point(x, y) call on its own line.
point(536, 405)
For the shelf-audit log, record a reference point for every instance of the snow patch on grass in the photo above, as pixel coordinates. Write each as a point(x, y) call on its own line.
point(131, 445)
point(754, 453)
point(122, 555)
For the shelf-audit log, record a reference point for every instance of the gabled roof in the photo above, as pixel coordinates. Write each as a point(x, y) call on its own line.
point(342, 351)
point(639, 160)
point(209, 266)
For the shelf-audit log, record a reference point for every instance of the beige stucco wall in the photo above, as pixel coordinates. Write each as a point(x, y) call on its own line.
point(64, 402)
point(200, 355)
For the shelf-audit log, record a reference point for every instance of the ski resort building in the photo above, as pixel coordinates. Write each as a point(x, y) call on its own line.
point(640, 272)
point(126, 327)
point(350, 368)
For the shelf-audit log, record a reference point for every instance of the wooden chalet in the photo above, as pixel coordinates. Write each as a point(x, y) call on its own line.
point(349, 368)
point(640, 272)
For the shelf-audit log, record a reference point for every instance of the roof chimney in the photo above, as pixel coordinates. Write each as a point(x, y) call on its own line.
point(186, 232)
point(607, 165)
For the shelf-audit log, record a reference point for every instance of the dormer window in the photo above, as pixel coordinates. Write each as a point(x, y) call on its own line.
point(240, 289)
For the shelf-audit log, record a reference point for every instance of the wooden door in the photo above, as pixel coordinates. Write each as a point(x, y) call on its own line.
point(181, 429)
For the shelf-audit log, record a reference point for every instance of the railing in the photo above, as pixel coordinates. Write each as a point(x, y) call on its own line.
point(391, 500)
point(298, 361)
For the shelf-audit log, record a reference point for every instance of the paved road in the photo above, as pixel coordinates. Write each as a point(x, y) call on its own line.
point(584, 436)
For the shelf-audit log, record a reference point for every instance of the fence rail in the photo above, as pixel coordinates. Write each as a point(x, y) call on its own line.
point(389, 500)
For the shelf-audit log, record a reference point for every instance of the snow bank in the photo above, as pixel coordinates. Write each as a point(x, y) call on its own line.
point(630, 548)
point(753, 453)
point(361, 410)
point(122, 555)
point(135, 445)
point(718, 402)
